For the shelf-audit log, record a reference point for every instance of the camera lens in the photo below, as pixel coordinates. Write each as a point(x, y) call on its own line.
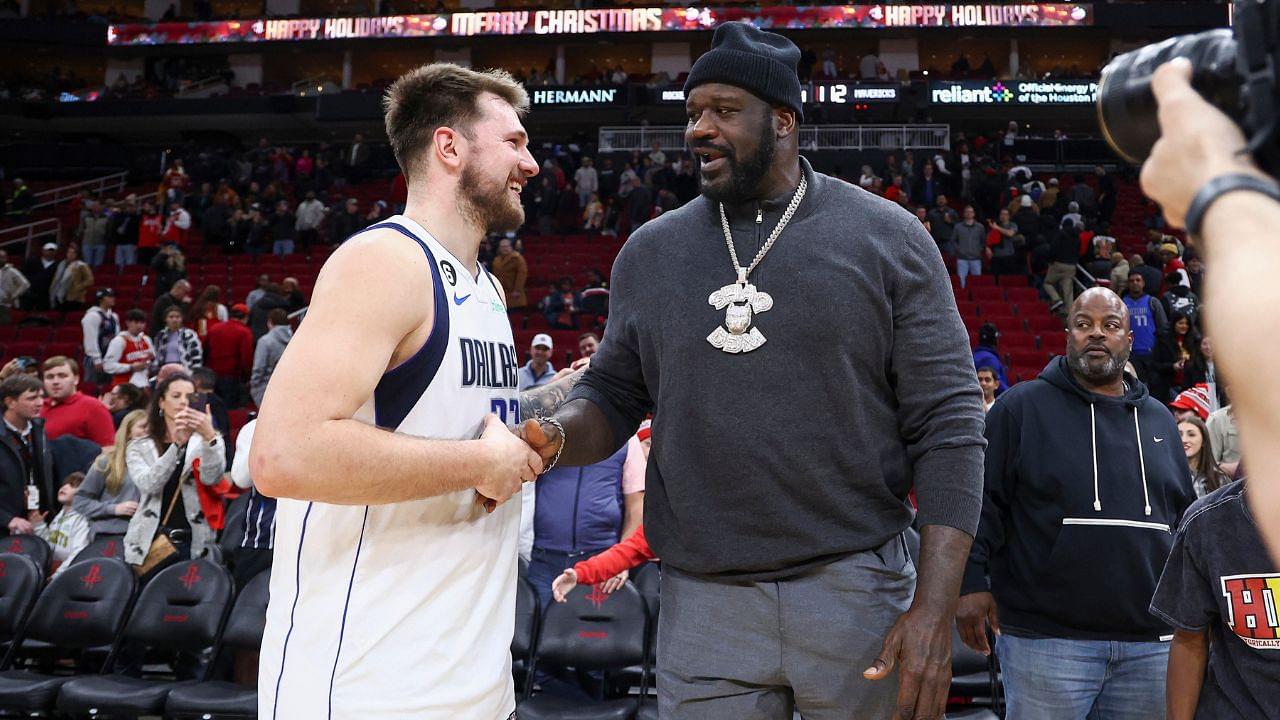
point(1126, 106)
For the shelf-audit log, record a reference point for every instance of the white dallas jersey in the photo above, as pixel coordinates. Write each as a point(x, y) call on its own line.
point(406, 610)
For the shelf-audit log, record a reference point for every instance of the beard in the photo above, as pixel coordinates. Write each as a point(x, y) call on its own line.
point(487, 204)
point(746, 176)
point(1097, 370)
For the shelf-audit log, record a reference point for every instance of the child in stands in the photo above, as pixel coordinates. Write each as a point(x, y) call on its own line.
point(607, 567)
point(69, 532)
point(1217, 590)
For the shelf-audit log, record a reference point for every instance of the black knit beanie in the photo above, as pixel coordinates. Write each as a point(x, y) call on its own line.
point(745, 56)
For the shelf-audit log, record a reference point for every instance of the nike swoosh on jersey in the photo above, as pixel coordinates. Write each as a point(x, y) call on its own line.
point(459, 300)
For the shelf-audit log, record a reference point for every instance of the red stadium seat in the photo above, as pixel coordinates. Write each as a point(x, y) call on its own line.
point(1013, 281)
point(70, 350)
point(40, 334)
point(981, 281)
point(1023, 295)
point(987, 294)
point(522, 339)
point(1006, 324)
point(1028, 358)
point(1017, 341)
point(1031, 309)
point(1044, 324)
point(565, 339)
point(1023, 374)
point(967, 308)
point(535, 295)
point(24, 348)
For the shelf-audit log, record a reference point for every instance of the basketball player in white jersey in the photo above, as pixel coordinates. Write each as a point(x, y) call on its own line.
point(386, 424)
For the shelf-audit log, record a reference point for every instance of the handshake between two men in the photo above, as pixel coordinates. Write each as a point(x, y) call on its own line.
point(515, 456)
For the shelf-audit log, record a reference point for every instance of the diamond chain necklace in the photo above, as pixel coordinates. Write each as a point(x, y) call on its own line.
point(741, 300)
point(773, 236)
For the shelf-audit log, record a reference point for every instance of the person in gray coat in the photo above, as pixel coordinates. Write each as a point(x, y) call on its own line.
point(161, 465)
point(108, 497)
point(270, 348)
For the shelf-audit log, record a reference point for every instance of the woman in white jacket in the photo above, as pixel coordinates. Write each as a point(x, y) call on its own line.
point(164, 464)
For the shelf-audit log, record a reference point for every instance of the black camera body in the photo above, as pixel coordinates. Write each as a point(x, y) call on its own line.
point(1235, 70)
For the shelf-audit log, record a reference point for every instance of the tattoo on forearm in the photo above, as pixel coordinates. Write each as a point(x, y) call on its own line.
point(547, 399)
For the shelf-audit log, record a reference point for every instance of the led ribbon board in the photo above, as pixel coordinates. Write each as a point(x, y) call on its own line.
point(601, 20)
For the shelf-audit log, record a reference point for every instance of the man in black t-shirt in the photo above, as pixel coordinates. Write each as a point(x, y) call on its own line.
point(1218, 588)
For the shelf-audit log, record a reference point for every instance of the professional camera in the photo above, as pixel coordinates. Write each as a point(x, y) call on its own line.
point(1235, 70)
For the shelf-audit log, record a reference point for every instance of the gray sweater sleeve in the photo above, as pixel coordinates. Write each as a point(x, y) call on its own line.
point(258, 377)
point(615, 382)
point(939, 401)
point(88, 500)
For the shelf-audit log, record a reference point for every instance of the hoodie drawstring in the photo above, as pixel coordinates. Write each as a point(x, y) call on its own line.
point(1142, 462)
point(1093, 435)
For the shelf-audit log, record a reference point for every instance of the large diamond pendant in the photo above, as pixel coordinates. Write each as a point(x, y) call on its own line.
point(740, 301)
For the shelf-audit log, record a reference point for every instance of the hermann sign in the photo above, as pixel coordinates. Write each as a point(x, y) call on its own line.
point(576, 96)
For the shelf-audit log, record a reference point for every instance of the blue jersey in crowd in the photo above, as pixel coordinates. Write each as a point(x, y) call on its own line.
point(1143, 324)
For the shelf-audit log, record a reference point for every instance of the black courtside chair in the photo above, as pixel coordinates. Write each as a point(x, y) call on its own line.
point(210, 699)
point(525, 639)
point(84, 607)
point(20, 584)
point(592, 631)
point(648, 580)
point(105, 546)
point(32, 546)
point(181, 610)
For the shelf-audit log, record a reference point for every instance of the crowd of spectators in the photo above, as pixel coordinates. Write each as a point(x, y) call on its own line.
point(986, 212)
point(572, 195)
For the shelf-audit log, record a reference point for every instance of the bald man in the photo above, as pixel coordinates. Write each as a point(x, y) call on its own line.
point(1085, 480)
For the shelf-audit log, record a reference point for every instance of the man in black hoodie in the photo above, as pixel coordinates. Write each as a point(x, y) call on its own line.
point(1085, 482)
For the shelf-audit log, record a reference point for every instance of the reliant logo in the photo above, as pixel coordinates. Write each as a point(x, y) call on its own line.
point(976, 92)
point(956, 94)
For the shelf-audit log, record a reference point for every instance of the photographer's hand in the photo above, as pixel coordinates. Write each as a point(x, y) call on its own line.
point(1242, 260)
point(1197, 143)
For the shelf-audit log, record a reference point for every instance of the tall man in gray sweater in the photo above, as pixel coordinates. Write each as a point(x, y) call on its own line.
point(804, 376)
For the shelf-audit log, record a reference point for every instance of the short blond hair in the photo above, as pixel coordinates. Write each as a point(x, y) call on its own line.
point(441, 95)
point(58, 361)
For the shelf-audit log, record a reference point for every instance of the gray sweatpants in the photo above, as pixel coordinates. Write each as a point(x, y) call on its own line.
point(759, 650)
